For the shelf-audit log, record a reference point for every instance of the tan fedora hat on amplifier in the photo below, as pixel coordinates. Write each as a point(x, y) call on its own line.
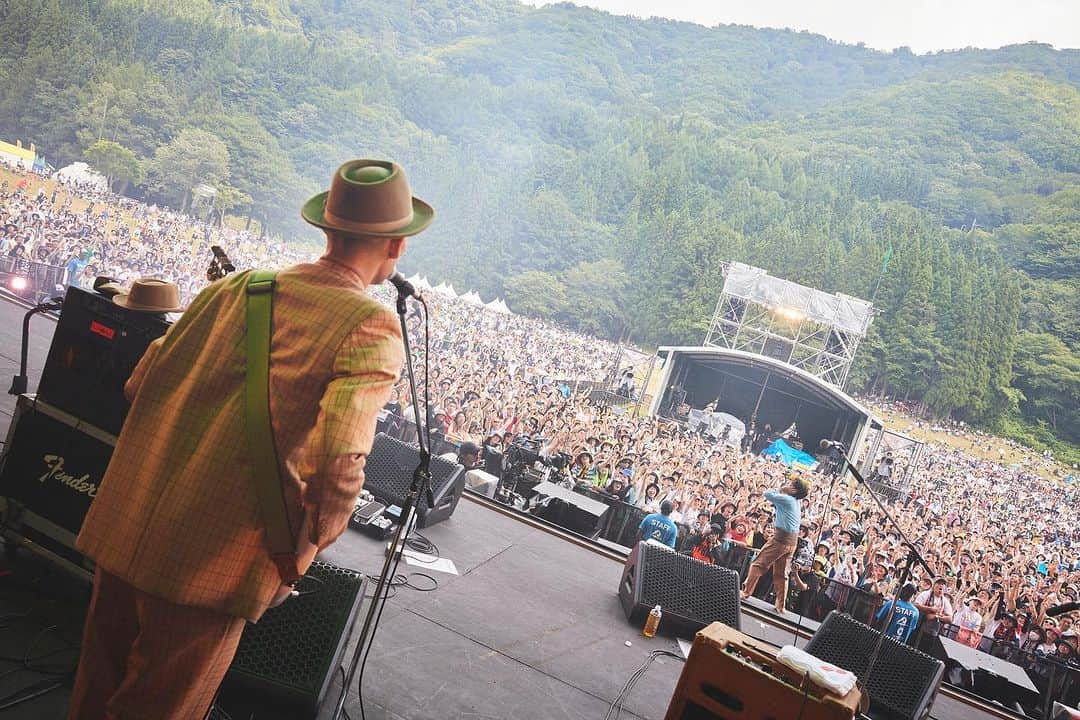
point(370, 198)
point(151, 295)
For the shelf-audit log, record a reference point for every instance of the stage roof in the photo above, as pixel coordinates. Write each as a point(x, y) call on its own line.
point(823, 393)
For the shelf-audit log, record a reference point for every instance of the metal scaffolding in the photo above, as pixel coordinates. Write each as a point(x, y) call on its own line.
point(812, 330)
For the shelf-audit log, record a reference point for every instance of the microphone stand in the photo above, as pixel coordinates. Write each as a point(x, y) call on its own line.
point(913, 557)
point(421, 483)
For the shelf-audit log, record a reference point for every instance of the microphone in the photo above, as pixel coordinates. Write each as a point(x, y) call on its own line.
point(404, 287)
point(834, 444)
point(1062, 608)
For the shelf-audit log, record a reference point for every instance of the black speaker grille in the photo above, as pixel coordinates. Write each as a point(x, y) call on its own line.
point(389, 471)
point(903, 681)
point(688, 587)
point(290, 651)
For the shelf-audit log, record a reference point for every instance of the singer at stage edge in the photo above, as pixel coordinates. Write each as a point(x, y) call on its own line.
point(176, 528)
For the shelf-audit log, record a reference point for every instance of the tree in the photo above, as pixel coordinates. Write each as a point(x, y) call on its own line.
point(229, 199)
point(595, 297)
point(536, 293)
point(1048, 374)
point(115, 162)
point(192, 157)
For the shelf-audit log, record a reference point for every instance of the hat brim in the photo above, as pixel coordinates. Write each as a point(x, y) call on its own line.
point(314, 213)
point(122, 300)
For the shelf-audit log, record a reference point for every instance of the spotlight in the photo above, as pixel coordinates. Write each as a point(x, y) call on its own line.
point(18, 283)
point(791, 314)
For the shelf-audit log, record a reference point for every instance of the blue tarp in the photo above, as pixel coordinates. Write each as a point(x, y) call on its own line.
point(788, 454)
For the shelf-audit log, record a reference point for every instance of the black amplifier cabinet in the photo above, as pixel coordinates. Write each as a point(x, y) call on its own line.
point(50, 472)
point(95, 347)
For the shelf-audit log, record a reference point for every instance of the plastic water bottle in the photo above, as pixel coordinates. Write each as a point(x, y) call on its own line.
point(652, 622)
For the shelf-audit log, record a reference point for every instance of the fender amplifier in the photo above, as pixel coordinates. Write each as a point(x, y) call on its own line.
point(731, 676)
point(95, 347)
point(51, 469)
point(388, 474)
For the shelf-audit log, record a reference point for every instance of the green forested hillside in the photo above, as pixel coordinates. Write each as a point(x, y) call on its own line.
point(569, 151)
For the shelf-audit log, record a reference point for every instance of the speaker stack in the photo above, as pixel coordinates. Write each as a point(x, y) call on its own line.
point(388, 474)
point(691, 593)
point(903, 681)
point(61, 440)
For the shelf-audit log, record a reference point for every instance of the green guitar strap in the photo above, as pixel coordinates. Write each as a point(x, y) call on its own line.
point(260, 433)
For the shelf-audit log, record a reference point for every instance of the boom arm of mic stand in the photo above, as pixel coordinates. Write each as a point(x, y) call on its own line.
point(892, 521)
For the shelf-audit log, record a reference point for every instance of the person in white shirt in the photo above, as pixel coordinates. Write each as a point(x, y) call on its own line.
point(969, 621)
point(934, 607)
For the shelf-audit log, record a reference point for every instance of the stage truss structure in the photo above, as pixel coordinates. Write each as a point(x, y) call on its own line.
point(810, 329)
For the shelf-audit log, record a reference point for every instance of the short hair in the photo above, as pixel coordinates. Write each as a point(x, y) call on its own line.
point(802, 489)
point(907, 592)
point(666, 507)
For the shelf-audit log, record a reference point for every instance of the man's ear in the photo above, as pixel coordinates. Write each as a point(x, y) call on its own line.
point(395, 248)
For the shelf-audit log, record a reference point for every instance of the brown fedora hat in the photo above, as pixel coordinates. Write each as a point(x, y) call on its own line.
point(369, 198)
point(151, 295)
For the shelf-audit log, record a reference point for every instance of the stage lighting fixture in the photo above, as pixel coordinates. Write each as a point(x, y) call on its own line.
point(791, 314)
point(18, 283)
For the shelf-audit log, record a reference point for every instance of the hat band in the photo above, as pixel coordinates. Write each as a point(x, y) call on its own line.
point(362, 227)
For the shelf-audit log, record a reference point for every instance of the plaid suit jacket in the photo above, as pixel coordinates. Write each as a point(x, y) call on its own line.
point(177, 514)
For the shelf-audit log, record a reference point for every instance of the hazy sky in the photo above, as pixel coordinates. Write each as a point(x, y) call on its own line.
point(922, 25)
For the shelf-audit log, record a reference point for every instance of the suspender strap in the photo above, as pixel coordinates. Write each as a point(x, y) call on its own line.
point(260, 432)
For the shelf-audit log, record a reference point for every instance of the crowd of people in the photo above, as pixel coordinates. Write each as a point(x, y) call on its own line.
point(1002, 541)
point(89, 233)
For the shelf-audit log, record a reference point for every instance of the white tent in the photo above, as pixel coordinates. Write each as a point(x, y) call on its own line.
point(80, 172)
point(415, 279)
point(498, 306)
point(472, 298)
point(444, 290)
point(423, 283)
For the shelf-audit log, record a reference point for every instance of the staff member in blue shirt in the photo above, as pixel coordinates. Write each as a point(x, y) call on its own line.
point(904, 619)
point(781, 546)
point(659, 526)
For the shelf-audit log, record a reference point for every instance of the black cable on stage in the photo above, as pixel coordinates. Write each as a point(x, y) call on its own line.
point(617, 704)
point(28, 663)
point(422, 544)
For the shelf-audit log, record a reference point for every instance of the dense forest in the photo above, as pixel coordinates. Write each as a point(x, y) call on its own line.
point(598, 170)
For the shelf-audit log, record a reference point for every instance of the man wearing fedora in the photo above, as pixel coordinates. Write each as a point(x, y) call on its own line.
point(176, 529)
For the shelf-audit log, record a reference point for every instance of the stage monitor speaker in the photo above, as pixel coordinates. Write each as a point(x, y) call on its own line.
point(95, 347)
point(389, 472)
point(690, 593)
point(287, 661)
point(729, 676)
point(903, 682)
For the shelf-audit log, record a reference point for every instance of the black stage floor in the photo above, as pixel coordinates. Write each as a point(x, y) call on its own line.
point(531, 629)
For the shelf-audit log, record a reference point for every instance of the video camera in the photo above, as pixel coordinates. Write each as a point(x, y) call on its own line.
point(520, 473)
